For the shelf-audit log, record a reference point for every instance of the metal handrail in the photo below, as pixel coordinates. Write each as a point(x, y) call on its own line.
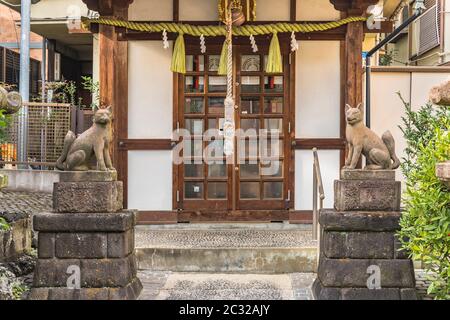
point(318, 192)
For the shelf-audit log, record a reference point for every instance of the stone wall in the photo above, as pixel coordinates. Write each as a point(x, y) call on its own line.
point(17, 239)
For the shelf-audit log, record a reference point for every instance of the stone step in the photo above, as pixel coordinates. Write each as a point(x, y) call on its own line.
point(235, 248)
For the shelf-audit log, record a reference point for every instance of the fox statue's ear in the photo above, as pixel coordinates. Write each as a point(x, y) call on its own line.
point(360, 107)
point(109, 109)
point(347, 107)
point(95, 108)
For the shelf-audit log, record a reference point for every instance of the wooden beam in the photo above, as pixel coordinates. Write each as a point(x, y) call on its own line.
point(146, 144)
point(156, 217)
point(293, 10)
point(326, 144)
point(176, 10)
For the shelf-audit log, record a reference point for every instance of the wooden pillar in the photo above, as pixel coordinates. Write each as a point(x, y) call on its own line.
point(114, 79)
point(353, 63)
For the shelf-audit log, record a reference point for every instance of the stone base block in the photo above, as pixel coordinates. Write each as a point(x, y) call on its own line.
point(97, 246)
point(87, 176)
point(361, 245)
point(367, 195)
point(353, 273)
point(94, 273)
point(88, 196)
point(360, 174)
point(320, 292)
point(85, 222)
point(130, 291)
point(373, 221)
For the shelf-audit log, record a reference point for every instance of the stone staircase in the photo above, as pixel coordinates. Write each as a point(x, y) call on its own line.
point(234, 248)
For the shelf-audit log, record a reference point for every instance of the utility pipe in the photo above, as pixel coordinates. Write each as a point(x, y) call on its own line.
point(24, 81)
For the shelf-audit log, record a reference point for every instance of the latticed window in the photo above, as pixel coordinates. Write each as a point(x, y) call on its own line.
point(427, 28)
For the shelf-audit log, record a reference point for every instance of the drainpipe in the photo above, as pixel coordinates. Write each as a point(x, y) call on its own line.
point(417, 13)
point(24, 81)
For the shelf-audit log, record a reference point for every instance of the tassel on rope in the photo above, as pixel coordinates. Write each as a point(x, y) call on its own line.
point(179, 56)
point(274, 61)
point(223, 59)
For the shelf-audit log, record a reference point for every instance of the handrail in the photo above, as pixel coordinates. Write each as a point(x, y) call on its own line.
point(317, 188)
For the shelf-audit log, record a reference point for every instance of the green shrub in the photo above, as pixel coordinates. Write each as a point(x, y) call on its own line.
point(3, 224)
point(425, 223)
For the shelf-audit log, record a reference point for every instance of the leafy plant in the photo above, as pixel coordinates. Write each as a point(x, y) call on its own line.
point(94, 88)
point(18, 289)
point(425, 223)
point(388, 58)
point(4, 225)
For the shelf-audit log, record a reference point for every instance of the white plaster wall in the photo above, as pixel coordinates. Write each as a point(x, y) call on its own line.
point(422, 84)
point(148, 10)
point(58, 9)
point(198, 10)
point(387, 108)
point(269, 10)
point(317, 100)
point(150, 90)
point(150, 180)
point(329, 166)
point(316, 10)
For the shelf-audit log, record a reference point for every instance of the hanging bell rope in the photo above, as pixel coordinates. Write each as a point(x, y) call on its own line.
point(212, 31)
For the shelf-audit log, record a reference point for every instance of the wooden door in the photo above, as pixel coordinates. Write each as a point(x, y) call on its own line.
point(255, 178)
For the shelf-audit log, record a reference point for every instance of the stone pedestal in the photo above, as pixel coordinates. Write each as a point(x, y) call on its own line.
point(358, 236)
point(88, 241)
point(443, 172)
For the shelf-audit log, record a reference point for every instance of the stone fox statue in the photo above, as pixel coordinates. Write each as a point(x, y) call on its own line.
point(379, 153)
point(90, 151)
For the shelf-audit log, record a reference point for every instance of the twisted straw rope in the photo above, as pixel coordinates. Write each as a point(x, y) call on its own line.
point(212, 31)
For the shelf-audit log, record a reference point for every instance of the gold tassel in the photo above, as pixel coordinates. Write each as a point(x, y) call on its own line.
point(223, 59)
point(274, 60)
point(179, 56)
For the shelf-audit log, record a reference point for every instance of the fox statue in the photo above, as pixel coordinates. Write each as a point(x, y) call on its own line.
point(379, 153)
point(90, 151)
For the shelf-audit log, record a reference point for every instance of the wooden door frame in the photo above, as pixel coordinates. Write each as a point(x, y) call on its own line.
point(237, 215)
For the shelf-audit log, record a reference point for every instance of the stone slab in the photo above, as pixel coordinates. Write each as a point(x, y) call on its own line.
point(16, 240)
point(367, 195)
point(361, 174)
point(85, 222)
point(443, 172)
point(87, 196)
point(131, 291)
point(87, 176)
point(236, 260)
point(81, 245)
point(351, 273)
point(358, 245)
point(95, 273)
point(333, 220)
point(320, 292)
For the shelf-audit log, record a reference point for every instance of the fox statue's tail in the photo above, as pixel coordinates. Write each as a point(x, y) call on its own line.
point(388, 140)
point(68, 140)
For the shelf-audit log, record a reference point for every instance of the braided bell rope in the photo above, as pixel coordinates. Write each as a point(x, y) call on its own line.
point(212, 31)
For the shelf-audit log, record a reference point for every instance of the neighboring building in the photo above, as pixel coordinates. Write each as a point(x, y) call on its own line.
point(69, 49)
point(426, 42)
point(9, 51)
